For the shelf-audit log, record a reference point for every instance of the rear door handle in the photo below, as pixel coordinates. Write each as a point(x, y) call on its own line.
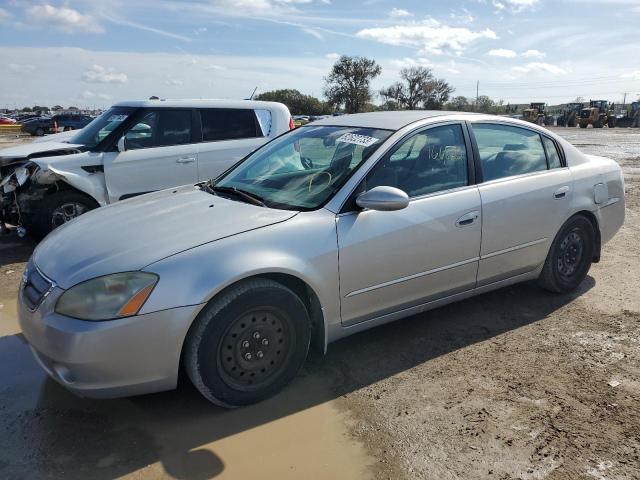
point(561, 192)
point(186, 160)
point(467, 219)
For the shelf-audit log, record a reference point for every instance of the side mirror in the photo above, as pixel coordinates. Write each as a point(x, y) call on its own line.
point(385, 199)
point(122, 144)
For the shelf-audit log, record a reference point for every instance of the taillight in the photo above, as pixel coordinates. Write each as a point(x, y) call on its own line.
point(291, 124)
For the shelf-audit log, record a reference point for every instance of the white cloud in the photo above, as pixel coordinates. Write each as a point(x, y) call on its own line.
point(462, 16)
point(411, 62)
point(63, 18)
point(332, 56)
point(502, 52)
point(313, 32)
point(400, 13)
point(88, 95)
point(100, 74)
point(533, 53)
point(4, 15)
point(635, 75)
point(20, 67)
point(514, 6)
point(174, 82)
point(244, 7)
point(430, 36)
point(540, 67)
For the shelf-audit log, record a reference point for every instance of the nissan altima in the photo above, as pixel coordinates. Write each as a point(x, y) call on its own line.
point(330, 229)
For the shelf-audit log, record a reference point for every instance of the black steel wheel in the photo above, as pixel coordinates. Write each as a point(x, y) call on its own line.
point(570, 256)
point(255, 348)
point(248, 343)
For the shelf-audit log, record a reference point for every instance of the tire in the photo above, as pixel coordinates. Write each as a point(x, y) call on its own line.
point(611, 122)
point(540, 121)
point(247, 344)
point(57, 210)
point(583, 125)
point(570, 256)
point(39, 132)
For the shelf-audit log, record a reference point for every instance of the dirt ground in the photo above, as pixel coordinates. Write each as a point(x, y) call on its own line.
point(514, 384)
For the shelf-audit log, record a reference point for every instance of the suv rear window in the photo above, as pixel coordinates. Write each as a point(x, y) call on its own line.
point(229, 124)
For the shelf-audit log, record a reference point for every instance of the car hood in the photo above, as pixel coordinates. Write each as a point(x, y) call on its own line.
point(134, 233)
point(36, 150)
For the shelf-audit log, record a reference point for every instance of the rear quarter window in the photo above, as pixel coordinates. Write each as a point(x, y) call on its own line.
point(553, 156)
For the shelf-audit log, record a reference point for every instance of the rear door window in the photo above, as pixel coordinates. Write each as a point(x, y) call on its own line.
point(229, 124)
point(506, 150)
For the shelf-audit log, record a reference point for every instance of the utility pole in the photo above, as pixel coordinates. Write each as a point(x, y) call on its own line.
point(477, 90)
point(624, 100)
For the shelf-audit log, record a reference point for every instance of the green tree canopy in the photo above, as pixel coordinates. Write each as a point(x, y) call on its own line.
point(298, 103)
point(348, 83)
point(418, 89)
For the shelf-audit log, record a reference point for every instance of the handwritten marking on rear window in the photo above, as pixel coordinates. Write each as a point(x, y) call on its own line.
point(356, 139)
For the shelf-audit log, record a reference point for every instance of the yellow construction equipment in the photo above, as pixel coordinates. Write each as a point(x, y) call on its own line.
point(598, 114)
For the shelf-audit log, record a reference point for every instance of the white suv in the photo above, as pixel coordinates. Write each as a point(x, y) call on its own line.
point(131, 149)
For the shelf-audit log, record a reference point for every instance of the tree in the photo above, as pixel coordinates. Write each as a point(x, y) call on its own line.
point(418, 88)
point(57, 108)
point(348, 83)
point(26, 109)
point(39, 108)
point(459, 104)
point(484, 104)
point(579, 99)
point(298, 103)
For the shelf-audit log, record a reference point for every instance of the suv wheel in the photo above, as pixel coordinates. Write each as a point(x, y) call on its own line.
point(58, 209)
point(247, 344)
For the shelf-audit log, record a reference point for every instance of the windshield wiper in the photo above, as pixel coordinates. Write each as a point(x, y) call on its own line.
point(249, 197)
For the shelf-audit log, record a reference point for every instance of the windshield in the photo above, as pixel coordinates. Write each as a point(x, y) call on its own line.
point(101, 126)
point(302, 169)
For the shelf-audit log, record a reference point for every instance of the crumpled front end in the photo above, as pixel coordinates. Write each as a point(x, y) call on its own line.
point(22, 185)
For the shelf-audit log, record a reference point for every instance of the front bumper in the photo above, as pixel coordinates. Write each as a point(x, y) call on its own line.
point(115, 358)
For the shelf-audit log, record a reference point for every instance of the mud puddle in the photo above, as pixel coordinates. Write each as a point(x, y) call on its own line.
point(47, 432)
point(8, 317)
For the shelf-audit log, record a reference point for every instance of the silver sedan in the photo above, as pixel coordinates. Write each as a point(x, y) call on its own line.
point(330, 229)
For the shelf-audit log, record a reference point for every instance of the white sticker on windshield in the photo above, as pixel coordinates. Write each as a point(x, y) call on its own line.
point(117, 118)
point(357, 139)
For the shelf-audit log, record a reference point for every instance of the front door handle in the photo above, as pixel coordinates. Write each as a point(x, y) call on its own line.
point(561, 192)
point(467, 219)
point(186, 160)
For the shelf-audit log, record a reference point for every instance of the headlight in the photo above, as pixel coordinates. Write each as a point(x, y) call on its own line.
point(109, 297)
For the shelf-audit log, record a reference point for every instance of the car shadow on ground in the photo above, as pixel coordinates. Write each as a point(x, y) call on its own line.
point(46, 429)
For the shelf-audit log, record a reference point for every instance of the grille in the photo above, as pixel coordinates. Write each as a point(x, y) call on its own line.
point(36, 287)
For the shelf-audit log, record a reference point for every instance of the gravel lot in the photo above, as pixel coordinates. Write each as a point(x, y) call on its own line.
point(514, 384)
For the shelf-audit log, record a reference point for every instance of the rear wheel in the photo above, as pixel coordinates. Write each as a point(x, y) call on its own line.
point(570, 256)
point(58, 209)
point(583, 125)
point(249, 343)
point(39, 132)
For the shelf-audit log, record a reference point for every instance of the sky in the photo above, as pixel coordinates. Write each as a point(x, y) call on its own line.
point(93, 53)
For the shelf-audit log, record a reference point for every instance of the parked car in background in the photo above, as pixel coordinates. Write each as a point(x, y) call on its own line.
point(61, 122)
point(6, 121)
point(333, 228)
point(131, 149)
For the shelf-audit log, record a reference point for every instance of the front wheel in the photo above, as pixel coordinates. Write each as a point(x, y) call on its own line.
point(570, 256)
point(247, 344)
point(59, 208)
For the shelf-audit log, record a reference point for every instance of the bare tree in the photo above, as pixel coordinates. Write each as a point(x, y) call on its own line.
point(418, 88)
point(348, 83)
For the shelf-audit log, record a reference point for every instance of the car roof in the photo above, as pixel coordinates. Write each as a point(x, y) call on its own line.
point(394, 120)
point(199, 103)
